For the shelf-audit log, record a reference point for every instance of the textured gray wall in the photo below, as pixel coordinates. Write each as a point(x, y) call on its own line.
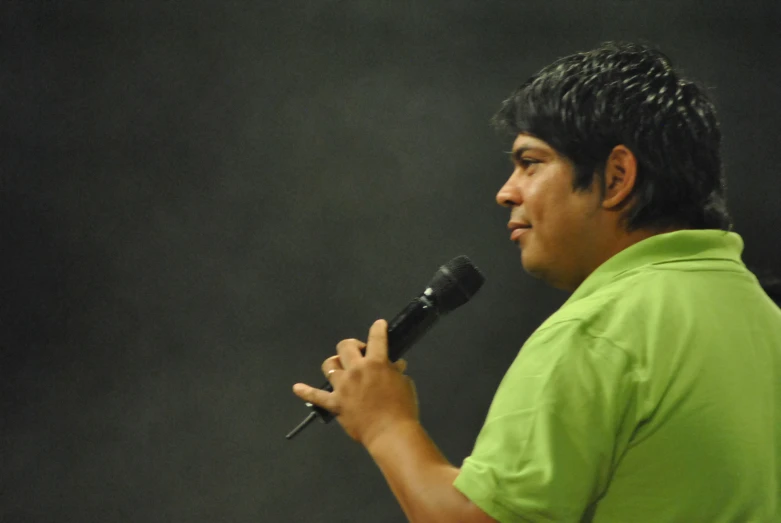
point(199, 199)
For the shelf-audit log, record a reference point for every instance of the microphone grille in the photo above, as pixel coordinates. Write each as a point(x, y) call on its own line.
point(455, 283)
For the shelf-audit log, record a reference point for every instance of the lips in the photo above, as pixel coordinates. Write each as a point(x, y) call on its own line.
point(518, 232)
point(517, 229)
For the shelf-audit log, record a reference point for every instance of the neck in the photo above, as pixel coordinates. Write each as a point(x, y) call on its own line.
point(612, 245)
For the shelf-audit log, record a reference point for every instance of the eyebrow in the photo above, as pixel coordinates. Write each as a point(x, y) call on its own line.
point(519, 152)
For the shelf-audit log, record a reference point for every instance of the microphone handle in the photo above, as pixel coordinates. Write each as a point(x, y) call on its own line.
point(403, 331)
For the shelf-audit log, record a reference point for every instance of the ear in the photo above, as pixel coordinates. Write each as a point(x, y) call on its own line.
point(620, 177)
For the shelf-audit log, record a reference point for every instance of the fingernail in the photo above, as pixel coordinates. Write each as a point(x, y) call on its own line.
point(299, 387)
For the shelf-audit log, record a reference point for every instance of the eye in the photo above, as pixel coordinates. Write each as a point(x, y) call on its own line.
point(526, 163)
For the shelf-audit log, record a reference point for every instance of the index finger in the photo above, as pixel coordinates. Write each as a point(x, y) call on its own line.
point(377, 343)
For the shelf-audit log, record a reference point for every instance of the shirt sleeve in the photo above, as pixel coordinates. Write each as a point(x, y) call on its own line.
point(554, 429)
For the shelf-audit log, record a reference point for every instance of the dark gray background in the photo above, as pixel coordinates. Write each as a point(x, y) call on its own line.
point(199, 199)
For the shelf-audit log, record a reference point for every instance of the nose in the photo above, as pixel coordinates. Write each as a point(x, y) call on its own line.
point(510, 193)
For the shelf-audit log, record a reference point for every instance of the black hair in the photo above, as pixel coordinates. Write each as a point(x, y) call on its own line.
point(585, 104)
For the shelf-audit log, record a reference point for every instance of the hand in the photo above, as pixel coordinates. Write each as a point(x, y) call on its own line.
point(371, 394)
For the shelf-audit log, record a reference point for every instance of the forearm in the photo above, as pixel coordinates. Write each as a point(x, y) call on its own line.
point(419, 475)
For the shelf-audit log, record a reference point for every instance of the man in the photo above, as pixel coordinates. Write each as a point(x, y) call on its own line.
point(652, 394)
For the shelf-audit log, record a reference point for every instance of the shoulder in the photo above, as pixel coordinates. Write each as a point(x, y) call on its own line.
point(628, 302)
point(565, 357)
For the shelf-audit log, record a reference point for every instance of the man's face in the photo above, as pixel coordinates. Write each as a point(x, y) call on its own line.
point(558, 230)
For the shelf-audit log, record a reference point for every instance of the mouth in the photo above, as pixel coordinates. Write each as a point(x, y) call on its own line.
point(517, 232)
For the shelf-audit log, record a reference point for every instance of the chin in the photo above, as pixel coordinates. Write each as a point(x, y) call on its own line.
point(529, 258)
point(541, 271)
point(530, 265)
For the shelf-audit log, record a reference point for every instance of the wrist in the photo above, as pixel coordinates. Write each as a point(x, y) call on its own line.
point(389, 437)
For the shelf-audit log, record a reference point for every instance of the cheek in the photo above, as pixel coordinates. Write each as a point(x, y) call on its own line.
point(560, 223)
point(545, 209)
point(535, 203)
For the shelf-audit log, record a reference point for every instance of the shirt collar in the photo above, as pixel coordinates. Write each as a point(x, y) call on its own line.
point(669, 247)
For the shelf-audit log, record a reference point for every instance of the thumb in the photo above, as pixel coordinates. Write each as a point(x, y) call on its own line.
point(401, 365)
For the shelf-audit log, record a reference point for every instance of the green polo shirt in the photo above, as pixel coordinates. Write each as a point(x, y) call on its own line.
point(652, 395)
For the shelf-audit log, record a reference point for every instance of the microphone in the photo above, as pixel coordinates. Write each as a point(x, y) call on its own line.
point(452, 285)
